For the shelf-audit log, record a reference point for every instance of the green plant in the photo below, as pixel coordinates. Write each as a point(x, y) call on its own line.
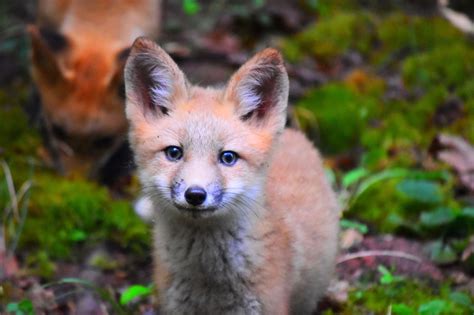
point(350, 224)
point(24, 307)
point(191, 7)
point(406, 297)
point(386, 277)
point(135, 292)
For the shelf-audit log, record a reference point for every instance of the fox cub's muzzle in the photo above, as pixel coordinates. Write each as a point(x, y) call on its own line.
point(195, 195)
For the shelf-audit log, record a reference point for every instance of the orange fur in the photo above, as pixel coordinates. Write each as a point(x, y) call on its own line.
point(267, 243)
point(78, 53)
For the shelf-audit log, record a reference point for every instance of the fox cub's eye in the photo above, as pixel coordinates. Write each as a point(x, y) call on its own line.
point(228, 158)
point(173, 153)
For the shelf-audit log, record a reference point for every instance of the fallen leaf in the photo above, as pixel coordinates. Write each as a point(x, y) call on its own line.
point(459, 154)
point(350, 238)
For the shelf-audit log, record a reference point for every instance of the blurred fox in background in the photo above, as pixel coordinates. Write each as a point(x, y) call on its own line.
point(78, 51)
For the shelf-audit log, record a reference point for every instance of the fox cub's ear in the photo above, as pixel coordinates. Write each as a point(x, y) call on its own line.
point(260, 90)
point(153, 81)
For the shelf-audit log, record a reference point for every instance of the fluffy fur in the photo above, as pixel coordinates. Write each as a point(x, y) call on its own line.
point(264, 241)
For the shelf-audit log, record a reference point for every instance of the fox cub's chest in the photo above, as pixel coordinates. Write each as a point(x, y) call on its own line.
point(209, 272)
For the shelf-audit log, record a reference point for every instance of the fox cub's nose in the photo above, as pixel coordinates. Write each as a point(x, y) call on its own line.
point(195, 195)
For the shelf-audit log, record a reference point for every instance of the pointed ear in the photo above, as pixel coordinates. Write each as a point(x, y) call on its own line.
point(260, 90)
point(45, 44)
point(153, 81)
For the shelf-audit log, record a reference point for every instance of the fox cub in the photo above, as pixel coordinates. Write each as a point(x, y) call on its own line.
point(78, 52)
point(245, 221)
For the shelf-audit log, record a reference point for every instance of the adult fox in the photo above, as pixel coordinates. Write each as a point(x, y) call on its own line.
point(78, 51)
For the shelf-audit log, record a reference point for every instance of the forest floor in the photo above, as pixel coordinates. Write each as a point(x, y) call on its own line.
point(386, 91)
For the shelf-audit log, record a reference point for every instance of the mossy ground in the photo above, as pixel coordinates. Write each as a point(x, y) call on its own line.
point(363, 111)
point(413, 82)
point(406, 297)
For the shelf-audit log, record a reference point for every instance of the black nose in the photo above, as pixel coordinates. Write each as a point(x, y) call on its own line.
point(195, 195)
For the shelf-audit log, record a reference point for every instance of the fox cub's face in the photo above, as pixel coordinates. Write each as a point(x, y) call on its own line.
point(203, 152)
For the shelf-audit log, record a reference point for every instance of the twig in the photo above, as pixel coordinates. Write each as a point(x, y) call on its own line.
point(372, 253)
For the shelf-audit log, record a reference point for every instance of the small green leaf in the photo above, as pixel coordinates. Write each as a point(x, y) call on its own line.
point(354, 176)
point(12, 307)
point(24, 307)
point(78, 236)
point(438, 217)
point(402, 309)
point(394, 173)
point(461, 298)
point(134, 291)
point(468, 212)
point(420, 190)
point(191, 7)
point(387, 276)
point(349, 224)
point(434, 307)
point(441, 253)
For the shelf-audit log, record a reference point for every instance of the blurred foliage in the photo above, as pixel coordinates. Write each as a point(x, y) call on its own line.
point(16, 136)
point(332, 36)
point(64, 214)
point(414, 80)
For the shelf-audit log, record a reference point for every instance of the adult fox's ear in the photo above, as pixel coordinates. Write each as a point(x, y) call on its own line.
point(153, 81)
point(45, 45)
point(259, 90)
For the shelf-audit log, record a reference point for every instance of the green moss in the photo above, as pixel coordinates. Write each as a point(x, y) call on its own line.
point(414, 297)
point(330, 7)
point(335, 105)
point(331, 36)
point(67, 214)
point(40, 264)
point(448, 67)
point(101, 260)
point(383, 39)
point(16, 135)
point(407, 34)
